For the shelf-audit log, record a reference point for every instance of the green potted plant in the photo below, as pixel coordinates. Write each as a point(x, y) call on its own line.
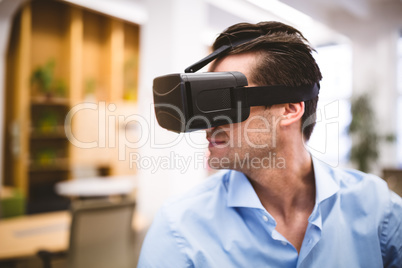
point(43, 82)
point(130, 83)
point(42, 78)
point(362, 129)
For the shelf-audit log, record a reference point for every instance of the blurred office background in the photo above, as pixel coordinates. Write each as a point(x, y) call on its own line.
point(76, 93)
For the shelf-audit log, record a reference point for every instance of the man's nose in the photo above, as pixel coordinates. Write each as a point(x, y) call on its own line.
point(209, 131)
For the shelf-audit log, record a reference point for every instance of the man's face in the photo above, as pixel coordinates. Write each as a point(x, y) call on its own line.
point(234, 146)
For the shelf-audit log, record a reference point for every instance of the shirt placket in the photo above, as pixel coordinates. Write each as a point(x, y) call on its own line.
point(270, 224)
point(312, 236)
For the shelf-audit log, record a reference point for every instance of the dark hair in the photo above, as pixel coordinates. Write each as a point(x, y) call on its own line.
point(284, 57)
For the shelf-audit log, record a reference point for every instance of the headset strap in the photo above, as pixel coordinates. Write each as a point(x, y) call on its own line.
point(270, 95)
point(218, 52)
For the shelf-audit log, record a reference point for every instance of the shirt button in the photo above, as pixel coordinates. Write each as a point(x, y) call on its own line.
point(265, 218)
point(284, 243)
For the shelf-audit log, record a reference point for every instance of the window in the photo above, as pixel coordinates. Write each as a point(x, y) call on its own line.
point(330, 142)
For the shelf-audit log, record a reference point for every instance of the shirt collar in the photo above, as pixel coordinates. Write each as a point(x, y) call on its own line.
point(325, 183)
point(241, 193)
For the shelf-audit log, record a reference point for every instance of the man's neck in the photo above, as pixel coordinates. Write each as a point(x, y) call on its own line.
point(284, 191)
point(288, 195)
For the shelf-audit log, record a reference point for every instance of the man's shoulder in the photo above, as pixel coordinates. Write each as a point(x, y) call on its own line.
point(205, 196)
point(360, 189)
point(181, 223)
point(352, 180)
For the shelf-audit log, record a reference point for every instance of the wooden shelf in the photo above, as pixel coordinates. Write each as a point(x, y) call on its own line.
point(92, 54)
point(57, 134)
point(50, 101)
point(58, 164)
point(50, 168)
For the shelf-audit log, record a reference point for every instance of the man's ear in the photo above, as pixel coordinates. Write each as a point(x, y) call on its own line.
point(292, 112)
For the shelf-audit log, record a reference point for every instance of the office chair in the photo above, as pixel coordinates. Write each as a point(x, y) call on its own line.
point(101, 236)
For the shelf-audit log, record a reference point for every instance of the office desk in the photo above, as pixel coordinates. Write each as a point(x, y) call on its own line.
point(97, 186)
point(23, 236)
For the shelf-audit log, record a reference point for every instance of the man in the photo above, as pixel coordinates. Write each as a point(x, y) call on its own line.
point(276, 206)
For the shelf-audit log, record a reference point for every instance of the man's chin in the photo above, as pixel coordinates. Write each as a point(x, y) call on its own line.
point(216, 162)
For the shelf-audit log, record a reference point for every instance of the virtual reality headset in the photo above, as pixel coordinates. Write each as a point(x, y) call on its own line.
point(192, 101)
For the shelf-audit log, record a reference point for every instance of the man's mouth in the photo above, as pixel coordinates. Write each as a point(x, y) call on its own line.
point(214, 143)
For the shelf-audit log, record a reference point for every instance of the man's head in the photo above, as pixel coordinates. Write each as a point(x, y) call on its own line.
point(277, 55)
point(283, 57)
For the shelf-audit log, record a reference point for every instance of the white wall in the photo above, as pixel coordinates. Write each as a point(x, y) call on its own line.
point(372, 26)
point(171, 40)
point(374, 40)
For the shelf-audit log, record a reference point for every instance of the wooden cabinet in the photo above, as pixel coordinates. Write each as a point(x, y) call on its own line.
point(59, 57)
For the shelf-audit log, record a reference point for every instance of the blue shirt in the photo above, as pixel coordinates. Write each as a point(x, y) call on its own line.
point(356, 222)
